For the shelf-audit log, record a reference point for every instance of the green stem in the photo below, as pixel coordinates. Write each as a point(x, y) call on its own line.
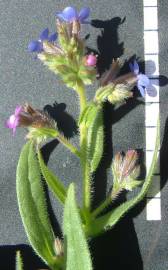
point(68, 145)
point(101, 207)
point(106, 202)
point(82, 96)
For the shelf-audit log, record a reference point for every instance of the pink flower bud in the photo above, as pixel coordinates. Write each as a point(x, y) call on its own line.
point(91, 60)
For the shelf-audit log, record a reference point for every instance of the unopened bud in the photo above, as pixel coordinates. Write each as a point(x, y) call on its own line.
point(113, 93)
point(125, 171)
point(58, 245)
point(120, 94)
point(110, 74)
point(90, 60)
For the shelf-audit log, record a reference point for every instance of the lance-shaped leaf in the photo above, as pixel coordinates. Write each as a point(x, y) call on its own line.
point(96, 140)
point(78, 256)
point(19, 262)
point(32, 205)
point(107, 221)
point(52, 180)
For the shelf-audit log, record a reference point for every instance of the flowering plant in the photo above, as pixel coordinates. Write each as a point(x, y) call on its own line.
point(65, 54)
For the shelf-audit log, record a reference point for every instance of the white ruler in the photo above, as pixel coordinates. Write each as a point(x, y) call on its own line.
point(151, 52)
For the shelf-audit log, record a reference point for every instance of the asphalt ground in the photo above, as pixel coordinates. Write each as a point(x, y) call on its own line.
point(116, 31)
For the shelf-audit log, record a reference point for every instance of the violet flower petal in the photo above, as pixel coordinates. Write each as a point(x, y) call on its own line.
point(35, 46)
point(44, 34)
point(143, 80)
point(84, 14)
point(68, 14)
point(18, 110)
point(53, 37)
point(141, 89)
point(134, 67)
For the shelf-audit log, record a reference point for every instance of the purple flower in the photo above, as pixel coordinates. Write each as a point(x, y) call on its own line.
point(27, 116)
point(69, 14)
point(13, 121)
point(37, 45)
point(143, 81)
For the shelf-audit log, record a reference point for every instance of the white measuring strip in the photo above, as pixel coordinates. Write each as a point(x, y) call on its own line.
point(151, 51)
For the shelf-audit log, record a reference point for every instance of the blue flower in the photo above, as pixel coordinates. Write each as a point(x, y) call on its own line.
point(69, 14)
point(37, 45)
point(143, 81)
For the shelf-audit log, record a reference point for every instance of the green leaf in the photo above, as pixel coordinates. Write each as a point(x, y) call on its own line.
point(88, 115)
point(96, 141)
point(110, 219)
point(32, 205)
point(52, 180)
point(19, 262)
point(78, 256)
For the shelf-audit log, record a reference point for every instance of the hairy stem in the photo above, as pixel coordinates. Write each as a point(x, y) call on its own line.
point(82, 96)
point(68, 145)
point(101, 207)
point(106, 202)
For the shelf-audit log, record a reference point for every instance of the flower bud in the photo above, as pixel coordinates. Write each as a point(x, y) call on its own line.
point(113, 93)
point(39, 123)
point(90, 60)
point(110, 74)
point(125, 171)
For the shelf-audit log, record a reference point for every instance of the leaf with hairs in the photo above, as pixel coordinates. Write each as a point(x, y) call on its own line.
point(96, 140)
point(32, 205)
point(52, 180)
point(78, 256)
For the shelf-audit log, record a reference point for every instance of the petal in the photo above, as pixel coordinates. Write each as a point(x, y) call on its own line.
point(68, 14)
point(18, 110)
point(44, 34)
point(141, 89)
point(136, 67)
point(151, 91)
point(84, 13)
point(11, 122)
point(131, 67)
point(143, 80)
point(35, 46)
point(53, 37)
